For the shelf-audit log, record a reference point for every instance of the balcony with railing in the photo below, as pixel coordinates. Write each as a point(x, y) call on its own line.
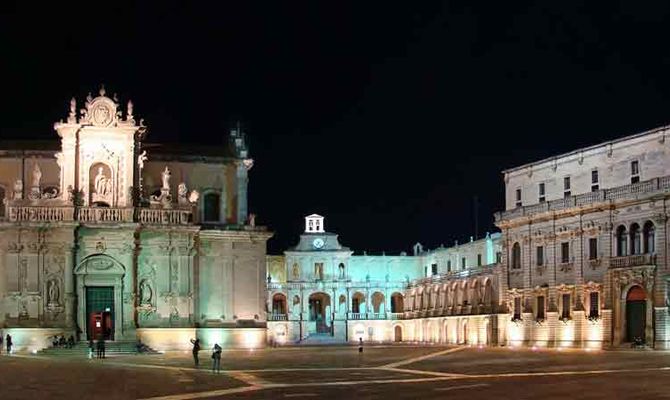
point(447, 276)
point(632, 260)
point(625, 192)
point(277, 317)
point(98, 215)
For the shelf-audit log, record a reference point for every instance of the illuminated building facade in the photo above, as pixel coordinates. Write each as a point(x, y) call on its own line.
point(585, 246)
point(319, 291)
point(105, 235)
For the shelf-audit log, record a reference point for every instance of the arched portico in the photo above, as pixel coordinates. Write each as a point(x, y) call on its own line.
point(100, 310)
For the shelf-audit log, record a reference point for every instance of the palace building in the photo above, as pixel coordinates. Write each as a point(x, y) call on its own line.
point(103, 234)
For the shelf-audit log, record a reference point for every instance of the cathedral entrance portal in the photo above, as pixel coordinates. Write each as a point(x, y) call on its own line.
point(636, 312)
point(100, 312)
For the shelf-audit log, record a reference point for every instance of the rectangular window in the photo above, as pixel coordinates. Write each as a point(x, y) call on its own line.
point(541, 193)
point(565, 252)
point(517, 308)
point(595, 188)
point(433, 269)
point(594, 176)
point(593, 248)
point(566, 183)
point(594, 308)
point(634, 171)
point(463, 263)
point(498, 257)
point(518, 197)
point(448, 265)
point(565, 312)
point(539, 256)
point(479, 260)
point(540, 307)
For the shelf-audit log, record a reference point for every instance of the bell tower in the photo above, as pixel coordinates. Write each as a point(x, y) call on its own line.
point(98, 150)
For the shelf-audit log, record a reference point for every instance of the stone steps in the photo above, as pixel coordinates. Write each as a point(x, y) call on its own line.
point(111, 348)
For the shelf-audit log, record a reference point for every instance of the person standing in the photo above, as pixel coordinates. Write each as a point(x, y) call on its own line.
point(8, 343)
point(216, 358)
point(0, 343)
point(90, 349)
point(101, 347)
point(196, 349)
point(360, 345)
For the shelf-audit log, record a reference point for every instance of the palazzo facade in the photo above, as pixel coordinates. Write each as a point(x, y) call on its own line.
point(105, 235)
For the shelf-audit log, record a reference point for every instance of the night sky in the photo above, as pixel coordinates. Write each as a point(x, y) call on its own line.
point(387, 118)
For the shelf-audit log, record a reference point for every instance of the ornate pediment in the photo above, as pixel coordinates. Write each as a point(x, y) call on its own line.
point(100, 264)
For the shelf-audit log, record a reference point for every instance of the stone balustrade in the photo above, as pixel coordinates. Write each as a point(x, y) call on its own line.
point(163, 216)
point(632, 260)
point(104, 215)
point(632, 191)
point(98, 215)
point(40, 214)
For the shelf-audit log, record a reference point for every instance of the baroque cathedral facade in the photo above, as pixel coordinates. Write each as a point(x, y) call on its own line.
point(104, 234)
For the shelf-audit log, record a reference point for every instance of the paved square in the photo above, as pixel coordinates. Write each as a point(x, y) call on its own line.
point(337, 372)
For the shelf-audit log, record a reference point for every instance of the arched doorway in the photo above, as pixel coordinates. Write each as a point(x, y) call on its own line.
point(636, 314)
point(319, 310)
point(397, 333)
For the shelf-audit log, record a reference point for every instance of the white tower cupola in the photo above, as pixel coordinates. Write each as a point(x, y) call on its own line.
point(314, 224)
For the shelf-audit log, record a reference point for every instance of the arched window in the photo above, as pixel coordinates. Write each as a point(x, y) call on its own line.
point(621, 241)
point(516, 256)
point(278, 304)
point(635, 242)
point(212, 205)
point(649, 237)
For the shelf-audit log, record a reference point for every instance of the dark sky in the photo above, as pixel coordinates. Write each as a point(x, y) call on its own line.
point(386, 117)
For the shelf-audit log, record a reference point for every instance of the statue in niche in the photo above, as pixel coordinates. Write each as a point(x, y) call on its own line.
point(53, 292)
point(101, 184)
point(252, 220)
point(341, 268)
point(296, 271)
point(165, 176)
point(193, 197)
point(146, 293)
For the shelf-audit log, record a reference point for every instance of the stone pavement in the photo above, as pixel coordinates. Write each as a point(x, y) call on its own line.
point(336, 372)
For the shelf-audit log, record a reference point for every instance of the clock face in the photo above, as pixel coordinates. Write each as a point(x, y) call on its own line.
point(318, 243)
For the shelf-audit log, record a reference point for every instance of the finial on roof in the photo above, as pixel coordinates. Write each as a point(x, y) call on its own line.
point(102, 90)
